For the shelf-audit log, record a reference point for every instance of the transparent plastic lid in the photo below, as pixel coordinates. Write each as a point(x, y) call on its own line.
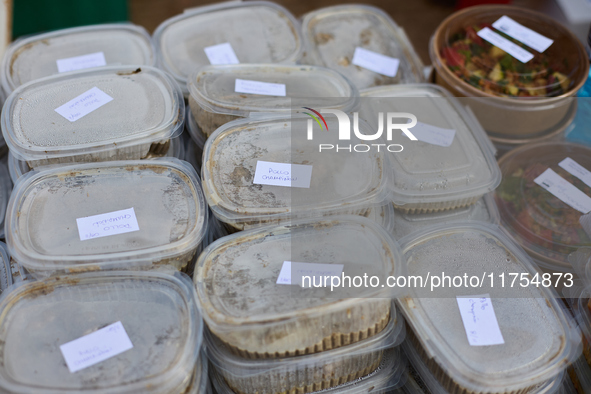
point(485, 210)
point(5, 268)
point(534, 56)
point(386, 377)
point(538, 338)
point(5, 191)
point(335, 35)
point(157, 312)
point(260, 318)
point(195, 132)
point(545, 225)
point(383, 215)
point(339, 182)
point(213, 88)
point(428, 174)
point(129, 106)
point(55, 224)
point(257, 32)
point(65, 50)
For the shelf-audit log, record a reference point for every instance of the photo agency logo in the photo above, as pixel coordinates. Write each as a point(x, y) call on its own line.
point(344, 131)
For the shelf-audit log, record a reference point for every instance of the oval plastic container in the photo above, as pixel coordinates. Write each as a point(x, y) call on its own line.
point(214, 100)
point(18, 168)
point(5, 268)
point(306, 373)
point(5, 191)
point(388, 376)
point(538, 338)
point(545, 226)
point(430, 174)
point(258, 318)
point(485, 210)
point(257, 31)
point(146, 110)
point(157, 312)
point(333, 34)
point(44, 234)
point(72, 49)
point(557, 385)
point(512, 99)
point(340, 182)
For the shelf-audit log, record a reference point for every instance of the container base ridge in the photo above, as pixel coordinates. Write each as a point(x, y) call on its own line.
point(208, 122)
point(433, 207)
point(334, 341)
point(446, 381)
point(326, 383)
point(158, 149)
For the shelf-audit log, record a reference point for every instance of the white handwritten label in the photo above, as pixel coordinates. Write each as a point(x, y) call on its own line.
point(574, 168)
point(81, 62)
point(221, 54)
point(480, 321)
point(501, 42)
point(564, 190)
point(292, 273)
point(283, 174)
point(522, 34)
point(84, 104)
point(433, 135)
point(105, 224)
point(375, 62)
point(94, 348)
point(256, 87)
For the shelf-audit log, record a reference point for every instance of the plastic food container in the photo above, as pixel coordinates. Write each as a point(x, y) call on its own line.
point(18, 168)
point(545, 226)
point(47, 237)
point(557, 385)
point(214, 101)
point(485, 210)
point(257, 31)
point(194, 151)
point(385, 378)
point(511, 98)
point(5, 190)
point(5, 268)
point(146, 110)
point(538, 338)
point(333, 34)
point(258, 318)
point(431, 175)
point(340, 182)
point(157, 312)
point(72, 49)
point(306, 373)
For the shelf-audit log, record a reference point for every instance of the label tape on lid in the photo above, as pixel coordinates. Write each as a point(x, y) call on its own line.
point(480, 320)
point(293, 273)
point(96, 347)
point(81, 62)
point(256, 87)
point(105, 224)
point(564, 190)
point(501, 42)
point(522, 34)
point(87, 102)
point(433, 135)
point(283, 174)
point(221, 54)
point(575, 169)
point(376, 62)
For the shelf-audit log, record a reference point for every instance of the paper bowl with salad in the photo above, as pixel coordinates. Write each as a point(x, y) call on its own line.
point(520, 69)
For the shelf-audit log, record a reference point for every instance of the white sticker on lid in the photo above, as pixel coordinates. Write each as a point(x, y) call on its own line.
point(81, 62)
point(221, 54)
point(376, 62)
point(433, 135)
point(522, 34)
point(96, 347)
point(564, 190)
point(577, 170)
point(84, 104)
point(256, 87)
point(292, 273)
point(501, 42)
point(105, 224)
point(283, 174)
point(480, 321)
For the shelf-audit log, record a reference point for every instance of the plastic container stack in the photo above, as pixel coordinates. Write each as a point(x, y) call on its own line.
point(237, 146)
